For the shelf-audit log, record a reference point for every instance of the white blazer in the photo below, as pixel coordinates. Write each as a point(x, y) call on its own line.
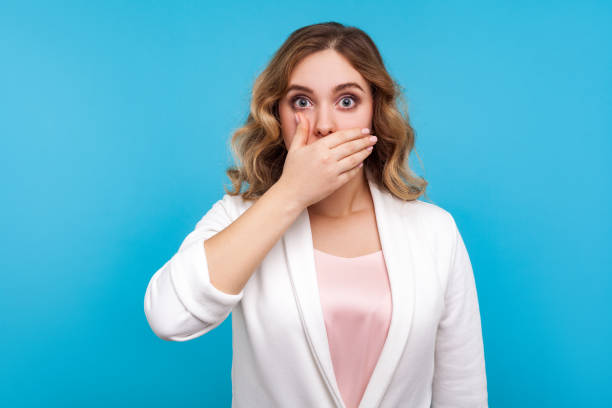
point(433, 355)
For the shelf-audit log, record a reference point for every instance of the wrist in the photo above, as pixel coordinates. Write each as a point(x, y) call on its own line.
point(286, 198)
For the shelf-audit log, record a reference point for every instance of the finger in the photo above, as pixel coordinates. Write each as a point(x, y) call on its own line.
point(346, 149)
point(300, 138)
point(353, 160)
point(349, 174)
point(343, 136)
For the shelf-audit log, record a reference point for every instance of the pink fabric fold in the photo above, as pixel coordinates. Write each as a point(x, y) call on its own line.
point(357, 307)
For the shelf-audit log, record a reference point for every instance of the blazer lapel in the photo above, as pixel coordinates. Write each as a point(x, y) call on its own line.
point(396, 250)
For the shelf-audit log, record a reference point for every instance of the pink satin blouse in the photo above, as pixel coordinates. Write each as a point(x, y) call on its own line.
point(356, 303)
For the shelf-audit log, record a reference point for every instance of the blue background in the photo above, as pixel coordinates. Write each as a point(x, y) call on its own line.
point(115, 120)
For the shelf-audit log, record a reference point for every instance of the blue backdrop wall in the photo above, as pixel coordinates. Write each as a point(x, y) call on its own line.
point(115, 119)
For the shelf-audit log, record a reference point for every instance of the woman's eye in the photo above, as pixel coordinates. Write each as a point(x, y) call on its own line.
point(299, 98)
point(301, 102)
point(347, 98)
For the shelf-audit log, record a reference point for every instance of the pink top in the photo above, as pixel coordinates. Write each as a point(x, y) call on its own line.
point(356, 302)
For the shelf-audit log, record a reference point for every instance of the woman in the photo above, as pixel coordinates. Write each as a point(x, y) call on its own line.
point(346, 289)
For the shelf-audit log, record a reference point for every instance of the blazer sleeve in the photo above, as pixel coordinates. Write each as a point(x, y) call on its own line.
point(459, 375)
point(180, 302)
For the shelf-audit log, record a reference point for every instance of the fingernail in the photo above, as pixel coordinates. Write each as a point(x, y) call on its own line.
point(365, 131)
point(297, 118)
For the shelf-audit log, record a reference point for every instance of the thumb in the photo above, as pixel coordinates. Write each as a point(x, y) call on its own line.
point(301, 132)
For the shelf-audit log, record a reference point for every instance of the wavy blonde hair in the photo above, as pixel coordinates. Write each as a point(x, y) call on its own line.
point(259, 146)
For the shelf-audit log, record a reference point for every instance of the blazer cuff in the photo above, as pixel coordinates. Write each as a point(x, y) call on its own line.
point(189, 274)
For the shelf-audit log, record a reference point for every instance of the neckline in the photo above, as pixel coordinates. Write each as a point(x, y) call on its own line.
point(348, 258)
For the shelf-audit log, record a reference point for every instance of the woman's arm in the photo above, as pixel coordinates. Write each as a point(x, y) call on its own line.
point(460, 376)
point(197, 288)
point(235, 252)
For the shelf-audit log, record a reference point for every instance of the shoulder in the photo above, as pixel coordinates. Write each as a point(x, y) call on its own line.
point(232, 205)
point(428, 214)
point(223, 211)
point(433, 224)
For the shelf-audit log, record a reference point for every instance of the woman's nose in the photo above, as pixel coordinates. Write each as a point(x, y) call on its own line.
point(322, 131)
point(323, 123)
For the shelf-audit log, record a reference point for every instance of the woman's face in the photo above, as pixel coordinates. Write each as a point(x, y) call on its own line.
point(312, 91)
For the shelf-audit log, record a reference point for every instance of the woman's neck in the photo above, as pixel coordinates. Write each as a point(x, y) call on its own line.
point(354, 196)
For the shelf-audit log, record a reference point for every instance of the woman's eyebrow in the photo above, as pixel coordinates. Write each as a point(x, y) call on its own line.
point(336, 88)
